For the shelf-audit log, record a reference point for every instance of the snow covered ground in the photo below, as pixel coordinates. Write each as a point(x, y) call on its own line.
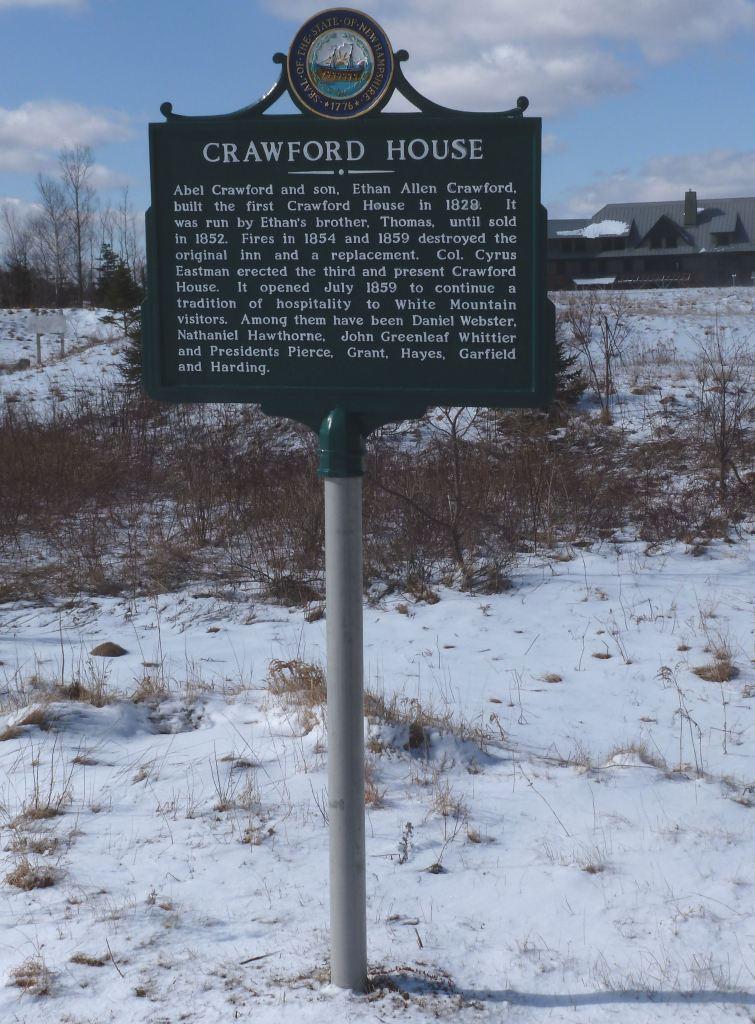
point(589, 797)
point(91, 353)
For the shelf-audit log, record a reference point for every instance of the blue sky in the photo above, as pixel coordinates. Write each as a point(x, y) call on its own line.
point(639, 100)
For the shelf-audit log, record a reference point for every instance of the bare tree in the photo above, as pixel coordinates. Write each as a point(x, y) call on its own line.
point(128, 236)
point(600, 330)
point(725, 401)
point(106, 227)
point(76, 171)
point(51, 234)
point(17, 260)
point(17, 234)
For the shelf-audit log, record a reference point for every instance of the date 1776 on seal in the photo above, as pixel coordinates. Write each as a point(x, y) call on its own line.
point(340, 64)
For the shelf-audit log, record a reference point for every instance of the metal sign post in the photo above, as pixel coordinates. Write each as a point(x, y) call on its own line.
point(341, 468)
point(347, 268)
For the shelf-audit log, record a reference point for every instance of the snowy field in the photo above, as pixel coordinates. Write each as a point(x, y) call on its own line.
point(580, 778)
point(91, 350)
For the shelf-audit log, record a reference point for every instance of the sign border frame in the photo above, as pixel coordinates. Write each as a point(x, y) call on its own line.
point(373, 407)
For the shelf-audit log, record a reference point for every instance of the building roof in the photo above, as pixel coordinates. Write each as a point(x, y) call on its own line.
point(713, 217)
point(558, 227)
point(592, 282)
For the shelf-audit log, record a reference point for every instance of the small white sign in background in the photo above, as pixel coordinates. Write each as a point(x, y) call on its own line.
point(48, 323)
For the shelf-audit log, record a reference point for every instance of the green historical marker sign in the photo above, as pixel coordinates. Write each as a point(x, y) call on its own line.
point(383, 263)
point(347, 267)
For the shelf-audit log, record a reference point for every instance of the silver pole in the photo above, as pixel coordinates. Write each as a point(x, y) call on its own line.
point(343, 604)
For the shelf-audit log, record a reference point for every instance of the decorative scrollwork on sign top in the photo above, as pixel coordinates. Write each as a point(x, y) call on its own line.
point(399, 84)
point(272, 95)
point(407, 90)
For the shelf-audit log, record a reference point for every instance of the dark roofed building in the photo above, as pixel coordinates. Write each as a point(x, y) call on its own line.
point(645, 245)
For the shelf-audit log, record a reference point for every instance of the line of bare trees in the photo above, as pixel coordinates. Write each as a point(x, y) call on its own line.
point(49, 255)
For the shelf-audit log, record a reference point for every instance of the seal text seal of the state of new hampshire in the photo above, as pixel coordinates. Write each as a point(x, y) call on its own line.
point(340, 64)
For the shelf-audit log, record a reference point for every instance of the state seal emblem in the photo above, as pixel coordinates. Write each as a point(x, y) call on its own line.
point(340, 64)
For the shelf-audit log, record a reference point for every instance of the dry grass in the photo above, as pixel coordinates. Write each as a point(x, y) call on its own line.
point(84, 760)
point(315, 614)
point(643, 753)
point(96, 694)
point(552, 677)
point(298, 683)
point(448, 804)
point(41, 843)
point(39, 716)
point(721, 670)
point(151, 689)
point(420, 721)
point(33, 976)
point(48, 791)
point(11, 732)
point(88, 961)
point(255, 834)
point(35, 692)
point(240, 490)
point(41, 808)
point(593, 867)
point(238, 764)
point(373, 796)
point(27, 876)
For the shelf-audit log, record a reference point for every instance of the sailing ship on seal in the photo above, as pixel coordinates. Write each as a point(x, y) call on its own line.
point(339, 65)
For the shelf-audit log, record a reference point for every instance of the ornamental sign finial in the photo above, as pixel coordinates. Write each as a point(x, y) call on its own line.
point(340, 64)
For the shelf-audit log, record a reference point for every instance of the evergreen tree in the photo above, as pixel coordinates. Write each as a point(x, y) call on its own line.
point(131, 363)
point(118, 292)
point(105, 271)
point(570, 381)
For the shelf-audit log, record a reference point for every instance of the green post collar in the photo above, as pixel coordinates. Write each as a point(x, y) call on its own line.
point(341, 447)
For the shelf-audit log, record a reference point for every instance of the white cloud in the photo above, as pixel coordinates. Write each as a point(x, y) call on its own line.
point(557, 52)
point(551, 81)
point(714, 174)
point(553, 144)
point(18, 207)
point(106, 177)
point(14, 215)
point(32, 135)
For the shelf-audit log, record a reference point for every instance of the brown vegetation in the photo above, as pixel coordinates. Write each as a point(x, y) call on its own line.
point(33, 976)
point(109, 493)
point(720, 670)
point(297, 682)
point(28, 876)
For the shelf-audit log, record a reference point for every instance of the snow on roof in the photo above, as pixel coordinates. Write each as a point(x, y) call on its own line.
point(601, 227)
point(594, 280)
